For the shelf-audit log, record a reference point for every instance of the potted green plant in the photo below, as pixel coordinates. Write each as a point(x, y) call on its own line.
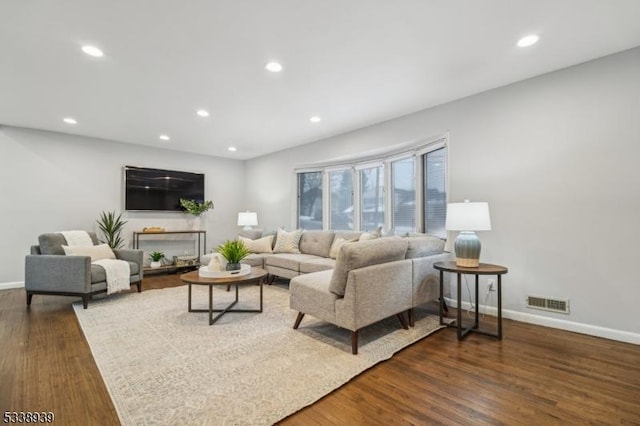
point(194, 207)
point(111, 226)
point(234, 251)
point(156, 259)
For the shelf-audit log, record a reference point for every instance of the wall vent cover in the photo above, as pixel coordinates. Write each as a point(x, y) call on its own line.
point(548, 304)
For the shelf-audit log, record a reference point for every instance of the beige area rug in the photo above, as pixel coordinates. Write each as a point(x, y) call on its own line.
point(164, 365)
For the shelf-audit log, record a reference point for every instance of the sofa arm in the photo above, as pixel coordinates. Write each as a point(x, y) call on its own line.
point(426, 279)
point(374, 293)
point(71, 274)
point(131, 255)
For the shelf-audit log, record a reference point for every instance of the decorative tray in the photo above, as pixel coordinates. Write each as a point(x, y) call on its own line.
point(205, 272)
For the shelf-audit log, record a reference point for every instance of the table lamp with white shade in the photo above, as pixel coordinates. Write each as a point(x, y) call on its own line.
point(247, 219)
point(468, 217)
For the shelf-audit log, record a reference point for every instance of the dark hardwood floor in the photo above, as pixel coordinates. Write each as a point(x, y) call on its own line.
point(534, 376)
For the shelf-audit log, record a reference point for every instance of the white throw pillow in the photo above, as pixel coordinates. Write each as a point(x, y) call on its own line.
point(371, 235)
point(288, 242)
point(337, 244)
point(99, 252)
point(261, 245)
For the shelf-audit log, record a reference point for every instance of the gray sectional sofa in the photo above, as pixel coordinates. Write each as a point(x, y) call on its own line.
point(368, 281)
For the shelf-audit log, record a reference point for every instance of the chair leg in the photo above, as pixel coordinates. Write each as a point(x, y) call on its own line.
point(298, 320)
point(412, 320)
point(29, 297)
point(402, 321)
point(354, 342)
point(228, 287)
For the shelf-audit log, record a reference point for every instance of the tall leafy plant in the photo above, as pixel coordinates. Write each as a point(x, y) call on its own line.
point(111, 226)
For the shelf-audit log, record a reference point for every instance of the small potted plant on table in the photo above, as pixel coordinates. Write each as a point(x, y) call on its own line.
point(156, 259)
point(234, 251)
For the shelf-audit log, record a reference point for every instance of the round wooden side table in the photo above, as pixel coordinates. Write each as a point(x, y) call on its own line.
point(482, 269)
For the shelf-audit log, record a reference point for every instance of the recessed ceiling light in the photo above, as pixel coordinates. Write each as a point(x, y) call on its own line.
point(92, 51)
point(202, 113)
point(164, 137)
point(232, 149)
point(315, 119)
point(274, 67)
point(529, 40)
point(70, 120)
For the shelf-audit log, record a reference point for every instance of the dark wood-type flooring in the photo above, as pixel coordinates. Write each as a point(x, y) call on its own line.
point(534, 376)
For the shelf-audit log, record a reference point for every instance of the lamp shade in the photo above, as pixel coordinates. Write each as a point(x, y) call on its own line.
point(468, 217)
point(247, 219)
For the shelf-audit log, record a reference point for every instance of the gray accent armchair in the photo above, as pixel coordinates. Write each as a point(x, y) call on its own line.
point(49, 271)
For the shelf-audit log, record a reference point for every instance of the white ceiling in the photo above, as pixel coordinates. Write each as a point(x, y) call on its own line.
point(352, 62)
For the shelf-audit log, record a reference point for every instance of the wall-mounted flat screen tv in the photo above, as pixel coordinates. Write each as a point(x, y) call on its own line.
point(160, 190)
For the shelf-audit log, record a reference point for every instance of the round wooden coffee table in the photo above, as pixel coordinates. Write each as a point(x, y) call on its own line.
point(254, 277)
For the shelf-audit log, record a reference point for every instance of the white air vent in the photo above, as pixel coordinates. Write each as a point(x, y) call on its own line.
point(548, 304)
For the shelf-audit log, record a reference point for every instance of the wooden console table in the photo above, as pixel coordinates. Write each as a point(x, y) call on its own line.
point(136, 244)
point(482, 269)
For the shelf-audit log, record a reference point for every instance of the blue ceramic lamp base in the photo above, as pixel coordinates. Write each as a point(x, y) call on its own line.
point(467, 248)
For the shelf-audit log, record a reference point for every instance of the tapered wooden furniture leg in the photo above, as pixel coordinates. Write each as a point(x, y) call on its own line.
point(412, 321)
point(298, 320)
point(228, 287)
point(354, 342)
point(271, 278)
point(402, 321)
point(29, 297)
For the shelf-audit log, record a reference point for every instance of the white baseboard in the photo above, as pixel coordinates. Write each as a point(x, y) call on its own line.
point(576, 327)
point(7, 286)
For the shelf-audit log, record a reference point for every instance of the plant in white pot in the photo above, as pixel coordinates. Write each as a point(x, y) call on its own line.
point(196, 209)
point(234, 251)
point(156, 259)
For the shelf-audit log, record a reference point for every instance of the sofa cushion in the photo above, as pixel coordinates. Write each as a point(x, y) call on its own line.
point(424, 246)
point(309, 293)
point(261, 245)
point(348, 235)
point(98, 274)
point(289, 261)
point(287, 242)
point(338, 242)
point(316, 242)
point(252, 234)
point(371, 235)
point(51, 243)
point(315, 265)
point(99, 252)
point(365, 253)
point(254, 260)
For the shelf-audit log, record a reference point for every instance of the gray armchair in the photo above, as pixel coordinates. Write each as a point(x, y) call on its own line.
point(49, 271)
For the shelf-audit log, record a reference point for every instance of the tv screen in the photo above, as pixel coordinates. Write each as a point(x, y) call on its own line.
point(157, 189)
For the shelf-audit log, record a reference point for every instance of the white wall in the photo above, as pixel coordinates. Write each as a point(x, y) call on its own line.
point(556, 157)
point(51, 182)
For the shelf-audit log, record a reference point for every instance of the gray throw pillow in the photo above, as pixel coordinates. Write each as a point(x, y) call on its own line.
point(365, 253)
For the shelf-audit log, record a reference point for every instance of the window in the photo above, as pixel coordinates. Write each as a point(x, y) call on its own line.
point(371, 198)
point(435, 192)
point(341, 201)
point(402, 192)
point(310, 200)
point(403, 199)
